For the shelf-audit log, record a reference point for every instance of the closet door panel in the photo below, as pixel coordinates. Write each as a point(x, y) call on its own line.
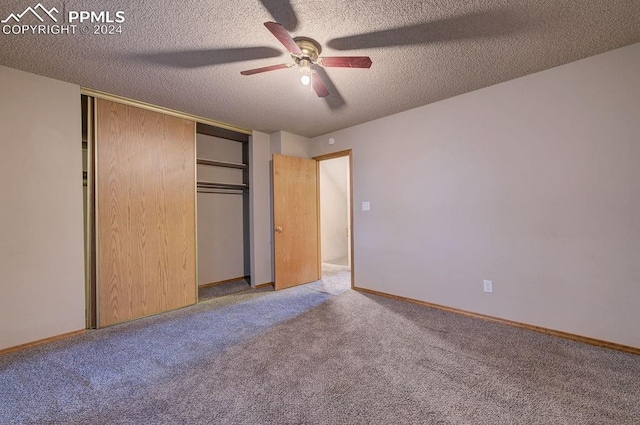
point(146, 212)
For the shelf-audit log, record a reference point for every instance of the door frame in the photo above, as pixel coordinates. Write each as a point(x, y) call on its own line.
point(318, 159)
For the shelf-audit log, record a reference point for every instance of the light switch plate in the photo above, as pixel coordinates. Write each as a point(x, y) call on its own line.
point(488, 286)
point(366, 206)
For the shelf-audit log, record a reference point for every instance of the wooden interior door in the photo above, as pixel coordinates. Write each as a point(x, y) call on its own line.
point(295, 219)
point(145, 206)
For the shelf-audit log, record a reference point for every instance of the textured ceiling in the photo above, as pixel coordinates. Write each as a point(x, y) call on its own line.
point(188, 55)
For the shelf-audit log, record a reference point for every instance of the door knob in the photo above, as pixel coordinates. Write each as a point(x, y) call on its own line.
point(279, 229)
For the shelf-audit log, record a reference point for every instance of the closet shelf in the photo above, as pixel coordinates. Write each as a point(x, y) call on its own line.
point(214, 185)
point(225, 164)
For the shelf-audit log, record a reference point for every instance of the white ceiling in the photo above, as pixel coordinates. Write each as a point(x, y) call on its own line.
point(169, 53)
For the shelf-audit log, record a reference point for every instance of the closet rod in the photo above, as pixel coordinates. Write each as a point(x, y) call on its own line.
point(220, 192)
point(212, 185)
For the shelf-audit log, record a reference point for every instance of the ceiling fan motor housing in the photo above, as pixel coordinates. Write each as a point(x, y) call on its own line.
point(311, 50)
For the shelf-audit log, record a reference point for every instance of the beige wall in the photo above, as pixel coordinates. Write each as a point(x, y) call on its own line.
point(42, 289)
point(289, 144)
point(334, 215)
point(533, 183)
point(221, 253)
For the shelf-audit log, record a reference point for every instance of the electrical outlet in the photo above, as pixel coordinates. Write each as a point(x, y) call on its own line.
point(488, 286)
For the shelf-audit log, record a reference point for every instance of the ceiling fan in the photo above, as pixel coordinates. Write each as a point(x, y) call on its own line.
point(305, 53)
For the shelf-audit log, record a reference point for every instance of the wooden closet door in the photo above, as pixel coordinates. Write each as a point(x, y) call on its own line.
point(145, 204)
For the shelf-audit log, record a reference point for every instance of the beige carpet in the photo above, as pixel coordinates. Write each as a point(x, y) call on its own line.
point(335, 279)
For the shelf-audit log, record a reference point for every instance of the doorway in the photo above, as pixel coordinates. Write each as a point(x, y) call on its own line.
point(298, 228)
point(335, 218)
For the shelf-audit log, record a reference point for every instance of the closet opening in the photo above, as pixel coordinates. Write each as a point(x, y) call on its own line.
point(223, 248)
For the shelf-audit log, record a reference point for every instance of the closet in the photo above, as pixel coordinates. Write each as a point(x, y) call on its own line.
point(153, 205)
point(223, 208)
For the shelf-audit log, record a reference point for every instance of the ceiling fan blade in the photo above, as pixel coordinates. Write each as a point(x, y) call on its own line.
point(266, 69)
point(487, 24)
point(335, 101)
point(283, 36)
point(318, 85)
point(345, 62)
point(282, 12)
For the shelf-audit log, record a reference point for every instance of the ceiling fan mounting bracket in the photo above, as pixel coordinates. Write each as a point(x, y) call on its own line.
point(310, 48)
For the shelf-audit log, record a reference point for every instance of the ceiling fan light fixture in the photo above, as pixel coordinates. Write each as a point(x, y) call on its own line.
point(305, 69)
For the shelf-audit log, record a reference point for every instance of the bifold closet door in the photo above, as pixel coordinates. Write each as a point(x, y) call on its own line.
point(145, 206)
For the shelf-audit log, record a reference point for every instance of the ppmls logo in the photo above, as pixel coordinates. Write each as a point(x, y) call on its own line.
point(87, 22)
point(34, 11)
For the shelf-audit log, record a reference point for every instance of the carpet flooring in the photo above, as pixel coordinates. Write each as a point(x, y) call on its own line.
point(342, 261)
point(335, 279)
point(210, 292)
point(306, 356)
